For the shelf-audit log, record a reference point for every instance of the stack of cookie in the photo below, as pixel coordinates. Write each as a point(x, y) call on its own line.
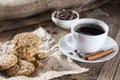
point(24, 59)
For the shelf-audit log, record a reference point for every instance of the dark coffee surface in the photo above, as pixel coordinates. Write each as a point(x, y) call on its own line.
point(90, 29)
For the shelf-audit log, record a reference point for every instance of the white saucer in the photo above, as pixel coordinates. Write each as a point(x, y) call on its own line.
point(65, 47)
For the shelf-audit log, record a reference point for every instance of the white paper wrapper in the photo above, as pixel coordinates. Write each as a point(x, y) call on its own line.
point(55, 65)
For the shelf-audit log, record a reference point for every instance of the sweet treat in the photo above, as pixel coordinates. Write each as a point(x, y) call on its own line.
point(37, 63)
point(65, 15)
point(26, 39)
point(7, 61)
point(25, 53)
point(24, 68)
point(31, 58)
point(26, 45)
point(41, 56)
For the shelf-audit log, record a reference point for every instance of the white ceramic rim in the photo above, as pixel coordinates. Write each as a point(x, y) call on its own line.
point(96, 21)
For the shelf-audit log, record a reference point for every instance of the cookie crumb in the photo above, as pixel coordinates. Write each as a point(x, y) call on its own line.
point(54, 67)
point(41, 56)
point(37, 64)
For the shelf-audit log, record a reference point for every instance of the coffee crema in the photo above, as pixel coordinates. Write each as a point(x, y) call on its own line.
point(89, 29)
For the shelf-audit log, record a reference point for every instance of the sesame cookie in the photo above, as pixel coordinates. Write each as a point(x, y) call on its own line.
point(26, 39)
point(24, 68)
point(26, 45)
point(7, 61)
point(25, 53)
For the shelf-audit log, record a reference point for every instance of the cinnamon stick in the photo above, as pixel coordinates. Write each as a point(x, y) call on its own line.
point(100, 54)
point(91, 54)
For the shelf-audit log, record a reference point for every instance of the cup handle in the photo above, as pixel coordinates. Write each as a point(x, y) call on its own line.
point(71, 44)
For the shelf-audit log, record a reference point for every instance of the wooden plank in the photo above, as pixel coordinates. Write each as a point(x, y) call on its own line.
point(117, 74)
point(110, 67)
point(26, 29)
point(51, 27)
point(92, 74)
point(5, 36)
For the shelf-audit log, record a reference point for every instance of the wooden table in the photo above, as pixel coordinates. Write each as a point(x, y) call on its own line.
point(108, 70)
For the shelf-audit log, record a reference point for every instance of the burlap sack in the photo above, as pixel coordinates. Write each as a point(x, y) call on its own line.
point(20, 13)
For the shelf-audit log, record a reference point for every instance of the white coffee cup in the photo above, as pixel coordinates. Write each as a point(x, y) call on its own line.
point(89, 43)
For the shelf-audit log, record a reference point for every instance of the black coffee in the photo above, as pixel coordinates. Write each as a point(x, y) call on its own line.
point(89, 29)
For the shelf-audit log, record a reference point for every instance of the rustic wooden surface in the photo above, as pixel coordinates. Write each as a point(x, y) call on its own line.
point(108, 70)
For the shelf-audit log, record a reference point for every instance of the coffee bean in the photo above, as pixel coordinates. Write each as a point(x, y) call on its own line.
point(54, 32)
point(80, 56)
point(70, 53)
point(65, 15)
point(75, 50)
point(48, 31)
